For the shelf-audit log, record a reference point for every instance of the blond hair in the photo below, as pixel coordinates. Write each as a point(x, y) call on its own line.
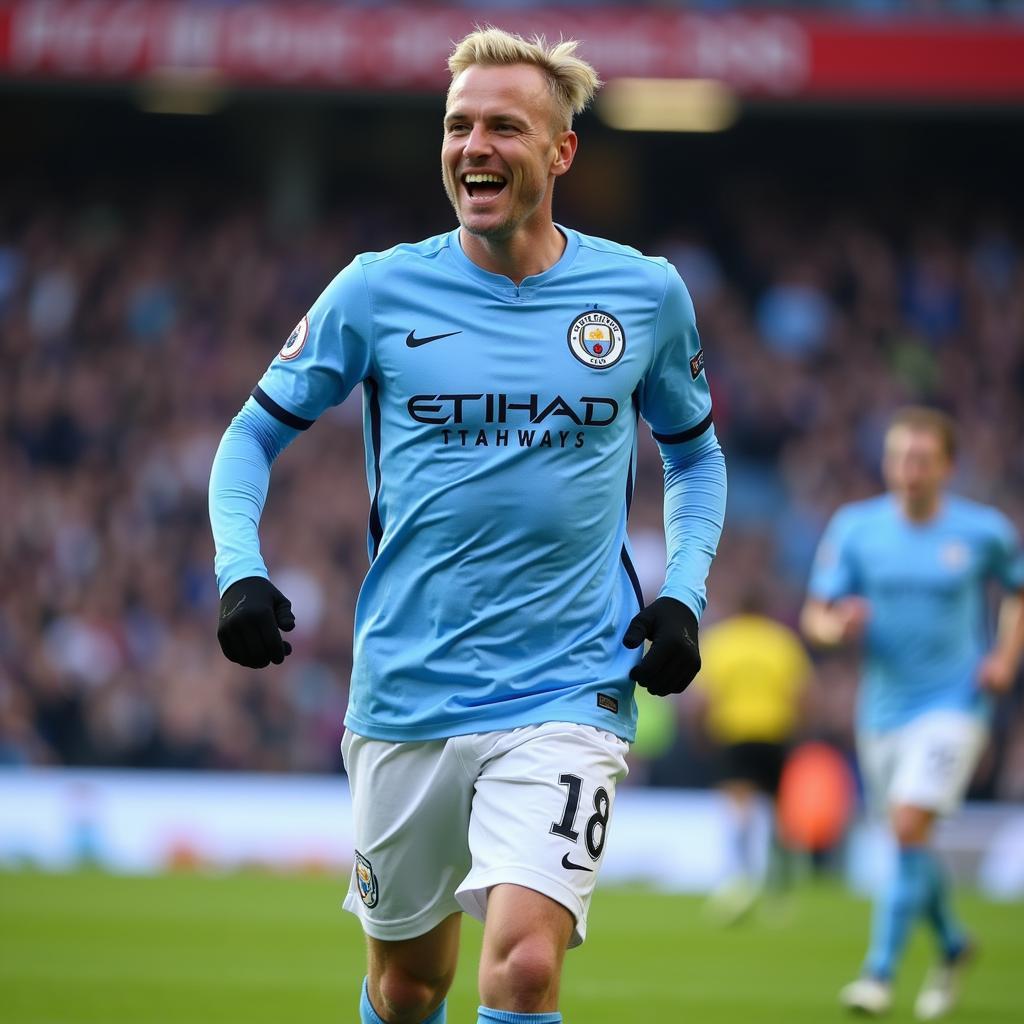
point(932, 421)
point(571, 79)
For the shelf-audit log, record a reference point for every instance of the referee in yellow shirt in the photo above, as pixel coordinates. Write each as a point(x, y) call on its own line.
point(754, 675)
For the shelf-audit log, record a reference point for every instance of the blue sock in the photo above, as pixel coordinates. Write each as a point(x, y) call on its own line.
point(939, 911)
point(485, 1015)
point(368, 1015)
point(903, 900)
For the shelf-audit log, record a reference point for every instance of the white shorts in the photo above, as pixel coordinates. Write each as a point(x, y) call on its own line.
point(439, 822)
point(926, 763)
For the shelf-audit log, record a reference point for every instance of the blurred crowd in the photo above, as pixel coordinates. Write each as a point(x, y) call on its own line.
point(131, 332)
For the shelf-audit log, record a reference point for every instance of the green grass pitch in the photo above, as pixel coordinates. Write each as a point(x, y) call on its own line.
point(90, 948)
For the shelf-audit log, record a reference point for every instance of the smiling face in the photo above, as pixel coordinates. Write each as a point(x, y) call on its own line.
point(502, 149)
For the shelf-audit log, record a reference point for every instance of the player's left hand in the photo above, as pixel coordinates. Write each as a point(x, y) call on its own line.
point(252, 614)
point(996, 673)
point(673, 659)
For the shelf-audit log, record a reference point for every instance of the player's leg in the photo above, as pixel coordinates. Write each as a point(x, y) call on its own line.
point(913, 828)
point(741, 800)
point(740, 886)
point(753, 773)
point(877, 754)
point(526, 935)
point(919, 889)
point(407, 982)
point(946, 748)
point(780, 866)
point(902, 901)
point(935, 758)
point(410, 806)
point(540, 818)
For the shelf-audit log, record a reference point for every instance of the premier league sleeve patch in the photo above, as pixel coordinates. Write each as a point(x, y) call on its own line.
point(366, 881)
point(293, 346)
point(697, 364)
point(597, 339)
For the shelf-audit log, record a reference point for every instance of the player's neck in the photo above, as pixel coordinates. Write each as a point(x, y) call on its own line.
point(921, 511)
point(524, 254)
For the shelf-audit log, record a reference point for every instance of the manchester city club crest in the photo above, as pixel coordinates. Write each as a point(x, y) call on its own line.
point(366, 881)
point(597, 339)
point(293, 346)
point(955, 555)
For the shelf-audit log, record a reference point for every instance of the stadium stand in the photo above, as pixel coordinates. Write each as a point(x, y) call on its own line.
point(132, 329)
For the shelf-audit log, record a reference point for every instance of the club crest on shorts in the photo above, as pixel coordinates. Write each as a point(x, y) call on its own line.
point(366, 881)
point(293, 346)
point(597, 339)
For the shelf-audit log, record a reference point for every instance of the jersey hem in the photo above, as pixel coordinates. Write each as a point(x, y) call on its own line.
point(868, 724)
point(419, 733)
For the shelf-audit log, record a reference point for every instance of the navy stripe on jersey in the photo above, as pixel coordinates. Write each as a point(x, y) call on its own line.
point(630, 571)
point(624, 554)
point(376, 528)
point(633, 578)
point(287, 418)
point(685, 435)
point(632, 453)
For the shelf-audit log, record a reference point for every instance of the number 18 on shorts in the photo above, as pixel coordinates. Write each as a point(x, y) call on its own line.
point(439, 822)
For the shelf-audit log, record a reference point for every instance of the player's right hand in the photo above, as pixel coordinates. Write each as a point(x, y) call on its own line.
point(252, 611)
point(997, 673)
point(851, 616)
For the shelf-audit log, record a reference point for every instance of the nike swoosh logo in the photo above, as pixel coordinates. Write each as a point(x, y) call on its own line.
point(413, 342)
point(566, 863)
point(235, 609)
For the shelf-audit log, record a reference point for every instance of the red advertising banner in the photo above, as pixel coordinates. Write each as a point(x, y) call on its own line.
point(404, 48)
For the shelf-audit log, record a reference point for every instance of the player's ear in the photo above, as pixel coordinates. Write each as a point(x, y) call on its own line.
point(565, 151)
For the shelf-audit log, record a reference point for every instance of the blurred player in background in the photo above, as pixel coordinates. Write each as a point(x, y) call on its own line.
point(754, 672)
point(504, 366)
point(905, 574)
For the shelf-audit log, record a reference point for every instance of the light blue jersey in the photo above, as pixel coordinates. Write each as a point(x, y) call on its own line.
point(926, 586)
point(500, 426)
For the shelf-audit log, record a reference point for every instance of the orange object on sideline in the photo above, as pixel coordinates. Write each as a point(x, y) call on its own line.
point(816, 797)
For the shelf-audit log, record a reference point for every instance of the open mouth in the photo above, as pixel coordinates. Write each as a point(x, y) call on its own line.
point(483, 185)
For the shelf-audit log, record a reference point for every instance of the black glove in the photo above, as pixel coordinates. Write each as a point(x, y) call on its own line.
point(673, 660)
point(251, 612)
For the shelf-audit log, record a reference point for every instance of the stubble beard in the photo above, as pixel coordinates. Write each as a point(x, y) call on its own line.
point(506, 228)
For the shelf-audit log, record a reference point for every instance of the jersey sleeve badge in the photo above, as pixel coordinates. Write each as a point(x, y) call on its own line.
point(697, 364)
point(296, 340)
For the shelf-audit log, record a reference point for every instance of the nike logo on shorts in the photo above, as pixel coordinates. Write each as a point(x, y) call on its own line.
point(413, 342)
point(566, 863)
